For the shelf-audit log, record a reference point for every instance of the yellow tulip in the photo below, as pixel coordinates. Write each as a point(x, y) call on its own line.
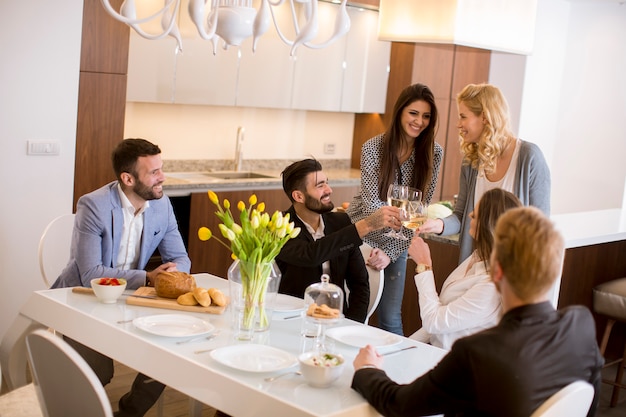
point(261, 207)
point(213, 198)
point(233, 256)
point(204, 233)
point(227, 233)
point(237, 229)
point(290, 227)
point(241, 206)
point(226, 204)
point(281, 233)
point(256, 220)
point(295, 232)
point(252, 199)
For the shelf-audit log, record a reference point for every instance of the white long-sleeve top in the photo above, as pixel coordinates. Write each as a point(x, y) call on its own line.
point(469, 302)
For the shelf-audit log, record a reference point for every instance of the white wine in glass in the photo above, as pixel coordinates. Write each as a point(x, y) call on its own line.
point(416, 210)
point(397, 196)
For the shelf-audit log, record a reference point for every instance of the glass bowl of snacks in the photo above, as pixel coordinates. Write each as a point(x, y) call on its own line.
point(108, 290)
point(323, 303)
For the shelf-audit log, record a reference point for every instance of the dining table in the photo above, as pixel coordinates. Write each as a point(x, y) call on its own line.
point(220, 371)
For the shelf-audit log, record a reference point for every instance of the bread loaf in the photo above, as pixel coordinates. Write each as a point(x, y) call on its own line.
point(202, 296)
point(173, 284)
point(218, 297)
point(187, 299)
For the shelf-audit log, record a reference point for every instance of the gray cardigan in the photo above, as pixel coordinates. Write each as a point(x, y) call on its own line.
point(532, 187)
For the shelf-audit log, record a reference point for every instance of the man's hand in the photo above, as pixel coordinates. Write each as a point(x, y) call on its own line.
point(166, 267)
point(386, 216)
point(378, 259)
point(367, 356)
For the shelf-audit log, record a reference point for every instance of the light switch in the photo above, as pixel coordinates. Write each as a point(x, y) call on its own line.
point(42, 148)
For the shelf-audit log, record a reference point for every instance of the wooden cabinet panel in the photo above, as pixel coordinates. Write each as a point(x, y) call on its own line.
point(104, 40)
point(100, 127)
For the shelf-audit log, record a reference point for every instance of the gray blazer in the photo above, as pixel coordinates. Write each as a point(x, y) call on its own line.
point(532, 187)
point(96, 240)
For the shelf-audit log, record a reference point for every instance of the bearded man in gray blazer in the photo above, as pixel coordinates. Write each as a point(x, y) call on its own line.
point(116, 230)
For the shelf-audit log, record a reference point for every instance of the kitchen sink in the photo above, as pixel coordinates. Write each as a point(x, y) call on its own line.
point(236, 175)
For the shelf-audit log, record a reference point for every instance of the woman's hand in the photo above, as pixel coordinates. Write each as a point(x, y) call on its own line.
point(431, 226)
point(378, 259)
point(420, 251)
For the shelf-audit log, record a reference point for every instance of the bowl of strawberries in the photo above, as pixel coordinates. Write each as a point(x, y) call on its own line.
point(108, 290)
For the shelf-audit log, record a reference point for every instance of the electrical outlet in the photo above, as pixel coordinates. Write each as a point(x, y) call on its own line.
point(329, 148)
point(42, 148)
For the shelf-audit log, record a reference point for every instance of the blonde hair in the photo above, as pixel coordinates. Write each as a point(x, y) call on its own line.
point(487, 101)
point(529, 250)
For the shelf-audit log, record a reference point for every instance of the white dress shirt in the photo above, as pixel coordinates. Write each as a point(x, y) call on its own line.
point(130, 243)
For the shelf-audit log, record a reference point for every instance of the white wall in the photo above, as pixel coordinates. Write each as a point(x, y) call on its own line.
point(40, 44)
point(574, 101)
point(209, 132)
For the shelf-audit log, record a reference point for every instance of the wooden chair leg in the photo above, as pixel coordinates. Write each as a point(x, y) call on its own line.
point(618, 380)
point(605, 336)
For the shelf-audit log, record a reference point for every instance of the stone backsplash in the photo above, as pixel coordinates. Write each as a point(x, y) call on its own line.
point(195, 165)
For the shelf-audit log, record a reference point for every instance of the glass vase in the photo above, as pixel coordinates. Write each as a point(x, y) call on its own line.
point(253, 289)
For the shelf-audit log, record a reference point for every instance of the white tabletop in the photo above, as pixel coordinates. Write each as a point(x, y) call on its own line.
point(591, 227)
point(236, 392)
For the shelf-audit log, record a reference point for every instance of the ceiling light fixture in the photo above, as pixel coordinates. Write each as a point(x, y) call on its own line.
point(231, 20)
point(499, 25)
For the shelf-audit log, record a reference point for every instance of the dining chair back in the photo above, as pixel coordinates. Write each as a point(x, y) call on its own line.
point(65, 384)
point(573, 400)
point(377, 282)
point(54, 247)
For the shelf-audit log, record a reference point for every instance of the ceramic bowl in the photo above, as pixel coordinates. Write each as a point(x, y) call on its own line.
point(317, 369)
point(108, 294)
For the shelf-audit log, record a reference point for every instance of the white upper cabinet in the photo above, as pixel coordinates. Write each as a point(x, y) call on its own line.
point(350, 75)
point(204, 78)
point(151, 70)
point(367, 65)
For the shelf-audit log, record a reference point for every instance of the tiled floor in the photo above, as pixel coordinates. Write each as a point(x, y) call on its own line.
point(605, 397)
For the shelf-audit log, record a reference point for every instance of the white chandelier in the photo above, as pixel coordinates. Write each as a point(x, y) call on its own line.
point(231, 20)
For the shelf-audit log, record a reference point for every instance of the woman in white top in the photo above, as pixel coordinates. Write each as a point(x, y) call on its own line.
point(469, 301)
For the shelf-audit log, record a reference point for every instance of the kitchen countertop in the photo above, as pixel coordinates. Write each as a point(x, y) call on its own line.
point(179, 184)
point(591, 227)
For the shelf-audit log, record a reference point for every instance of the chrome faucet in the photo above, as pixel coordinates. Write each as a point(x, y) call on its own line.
point(239, 148)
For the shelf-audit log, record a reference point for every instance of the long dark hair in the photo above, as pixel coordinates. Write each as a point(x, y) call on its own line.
point(490, 207)
point(424, 143)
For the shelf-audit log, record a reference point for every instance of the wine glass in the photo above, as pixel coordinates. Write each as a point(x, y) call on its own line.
point(416, 210)
point(397, 196)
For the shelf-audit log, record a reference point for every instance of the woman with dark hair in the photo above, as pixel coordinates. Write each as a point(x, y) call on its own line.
point(405, 154)
point(469, 301)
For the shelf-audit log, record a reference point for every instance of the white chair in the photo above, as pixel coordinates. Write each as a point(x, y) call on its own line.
point(377, 282)
point(54, 247)
point(65, 384)
point(573, 400)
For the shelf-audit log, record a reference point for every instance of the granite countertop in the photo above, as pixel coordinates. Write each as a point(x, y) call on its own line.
point(183, 183)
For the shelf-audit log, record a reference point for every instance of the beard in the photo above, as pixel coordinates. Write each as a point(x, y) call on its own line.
point(317, 206)
point(147, 192)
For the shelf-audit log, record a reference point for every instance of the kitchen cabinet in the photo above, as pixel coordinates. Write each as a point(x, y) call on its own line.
point(151, 70)
point(349, 75)
point(366, 65)
point(212, 257)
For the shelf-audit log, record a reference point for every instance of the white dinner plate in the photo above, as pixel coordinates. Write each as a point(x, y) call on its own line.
point(288, 304)
point(359, 336)
point(254, 358)
point(173, 325)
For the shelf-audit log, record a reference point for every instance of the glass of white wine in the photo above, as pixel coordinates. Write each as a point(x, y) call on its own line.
point(397, 196)
point(416, 210)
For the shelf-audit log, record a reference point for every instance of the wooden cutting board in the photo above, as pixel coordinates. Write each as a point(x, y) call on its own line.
point(169, 303)
point(159, 302)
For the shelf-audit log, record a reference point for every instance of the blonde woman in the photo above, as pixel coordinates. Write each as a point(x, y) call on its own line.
point(493, 158)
